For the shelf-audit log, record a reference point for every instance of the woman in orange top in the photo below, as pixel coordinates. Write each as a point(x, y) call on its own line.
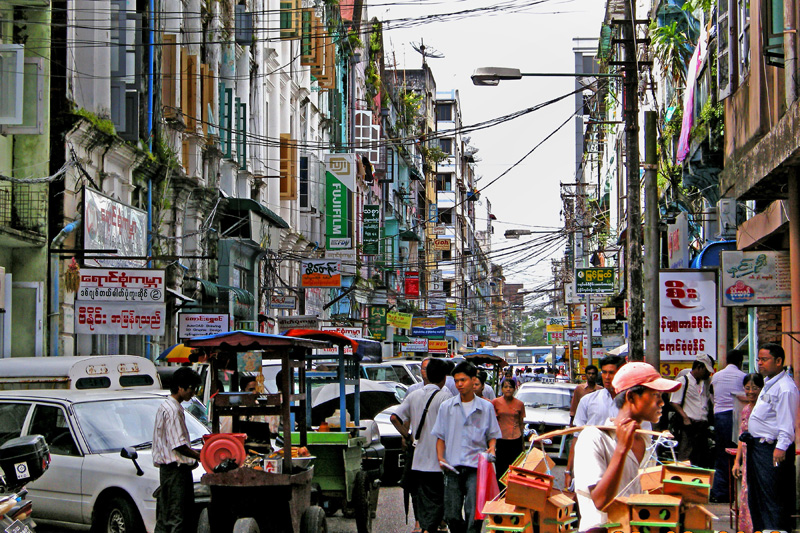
point(511, 419)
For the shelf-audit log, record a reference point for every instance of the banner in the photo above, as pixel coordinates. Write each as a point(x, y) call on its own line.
point(320, 273)
point(377, 322)
point(353, 333)
point(688, 320)
point(412, 285)
point(297, 322)
point(337, 214)
point(282, 302)
point(111, 225)
point(441, 244)
point(399, 320)
point(755, 278)
point(415, 345)
point(599, 280)
point(437, 347)
point(200, 324)
point(119, 318)
point(371, 230)
point(121, 285)
point(428, 326)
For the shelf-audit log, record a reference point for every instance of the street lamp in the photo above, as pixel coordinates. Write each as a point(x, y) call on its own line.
point(492, 76)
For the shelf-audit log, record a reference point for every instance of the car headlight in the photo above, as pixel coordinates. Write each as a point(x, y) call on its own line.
point(374, 433)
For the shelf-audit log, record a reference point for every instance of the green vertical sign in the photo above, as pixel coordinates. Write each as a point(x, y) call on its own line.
point(337, 214)
point(377, 322)
point(372, 229)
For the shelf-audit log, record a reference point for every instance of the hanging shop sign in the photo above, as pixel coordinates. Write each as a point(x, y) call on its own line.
point(412, 285)
point(571, 297)
point(399, 320)
point(371, 230)
point(353, 333)
point(283, 302)
point(377, 322)
point(200, 324)
point(112, 225)
point(688, 313)
point(678, 242)
point(555, 337)
point(432, 326)
point(573, 335)
point(343, 168)
point(320, 273)
point(441, 244)
point(340, 172)
point(437, 347)
point(755, 278)
point(119, 318)
point(438, 230)
point(598, 280)
point(121, 285)
point(415, 345)
point(298, 322)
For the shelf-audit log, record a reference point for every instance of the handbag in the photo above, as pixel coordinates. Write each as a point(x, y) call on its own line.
point(407, 479)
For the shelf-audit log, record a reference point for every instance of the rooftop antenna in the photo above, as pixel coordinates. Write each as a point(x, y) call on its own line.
point(426, 51)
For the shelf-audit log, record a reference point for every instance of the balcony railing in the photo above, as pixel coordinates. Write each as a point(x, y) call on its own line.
point(24, 207)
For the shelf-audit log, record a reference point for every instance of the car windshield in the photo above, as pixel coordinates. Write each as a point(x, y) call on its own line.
point(545, 399)
point(111, 425)
point(416, 370)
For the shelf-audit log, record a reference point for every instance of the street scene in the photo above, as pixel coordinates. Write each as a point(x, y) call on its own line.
point(324, 265)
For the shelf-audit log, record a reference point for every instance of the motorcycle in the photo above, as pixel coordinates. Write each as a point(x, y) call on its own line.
point(22, 460)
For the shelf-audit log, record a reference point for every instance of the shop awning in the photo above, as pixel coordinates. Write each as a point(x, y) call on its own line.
point(710, 255)
point(408, 235)
point(246, 204)
point(400, 338)
point(212, 289)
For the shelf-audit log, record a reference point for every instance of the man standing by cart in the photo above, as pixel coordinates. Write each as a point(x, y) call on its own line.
point(465, 427)
point(174, 457)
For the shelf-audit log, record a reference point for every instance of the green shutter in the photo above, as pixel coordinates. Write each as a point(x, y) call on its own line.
point(773, 33)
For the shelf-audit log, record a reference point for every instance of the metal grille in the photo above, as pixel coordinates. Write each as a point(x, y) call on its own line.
point(29, 207)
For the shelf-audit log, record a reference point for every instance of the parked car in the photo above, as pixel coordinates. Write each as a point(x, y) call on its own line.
point(90, 482)
point(392, 443)
point(400, 371)
point(547, 409)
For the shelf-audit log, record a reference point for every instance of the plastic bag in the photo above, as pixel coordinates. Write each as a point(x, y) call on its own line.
point(487, 484)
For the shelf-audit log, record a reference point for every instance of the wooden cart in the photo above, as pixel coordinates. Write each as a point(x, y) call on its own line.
point(245, 500)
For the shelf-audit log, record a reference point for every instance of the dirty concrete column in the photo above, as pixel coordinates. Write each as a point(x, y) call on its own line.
point(794, 260)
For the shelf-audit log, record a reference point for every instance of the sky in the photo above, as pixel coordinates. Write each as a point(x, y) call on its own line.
point(536, 38)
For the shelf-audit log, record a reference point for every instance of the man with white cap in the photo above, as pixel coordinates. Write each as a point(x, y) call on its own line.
point(690, 421)
point(607, 462)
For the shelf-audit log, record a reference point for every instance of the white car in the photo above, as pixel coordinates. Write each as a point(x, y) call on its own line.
point(547, 409)
point(399, 371)
point(89, 483)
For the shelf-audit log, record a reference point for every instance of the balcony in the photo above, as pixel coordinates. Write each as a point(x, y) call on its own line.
point(23, 214)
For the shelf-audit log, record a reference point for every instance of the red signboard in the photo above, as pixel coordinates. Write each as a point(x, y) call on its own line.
point(412, 285)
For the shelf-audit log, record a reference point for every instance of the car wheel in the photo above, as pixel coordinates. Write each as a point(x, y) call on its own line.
point(314, 521)
point(246, 525)
point(118, 515)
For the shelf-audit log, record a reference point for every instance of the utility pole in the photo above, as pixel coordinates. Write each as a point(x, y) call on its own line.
point(652, 241)
point(634, 241)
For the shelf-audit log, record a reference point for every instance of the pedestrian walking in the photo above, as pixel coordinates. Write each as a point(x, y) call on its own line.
point(419, 410)
point(607, 462)
point(771, 445)
point(591, 374)
point(465, 428)
point(753, 383)
point(510, 414)
point(725, 384)
point(174, 456)
point(690, 420)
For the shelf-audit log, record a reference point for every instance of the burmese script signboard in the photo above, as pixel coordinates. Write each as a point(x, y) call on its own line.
point(200, 324)
point(121, 285)
point(119, 318)
point(688, 319)
point(320, 273)
point(755, 278)
point(599, 280)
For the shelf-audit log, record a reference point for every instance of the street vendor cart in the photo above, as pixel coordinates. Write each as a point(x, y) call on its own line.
point(274, 495)
point(345, 470)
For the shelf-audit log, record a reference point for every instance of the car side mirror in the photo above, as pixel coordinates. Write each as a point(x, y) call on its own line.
point(129, 452)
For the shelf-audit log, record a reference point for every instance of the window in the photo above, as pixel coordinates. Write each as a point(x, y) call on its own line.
point(773, 32)
point(446, 145)
point(444, 112)
point(304, 182)
point(733, 45)
point(11, 83)
point(33, 81)
point(290, 17)
point(448, 288)
point(744, 37)
point(12, 417)
point(446, 216)
point(51, 422)
point(288, 168)
point(444, 182)
point(169, 75)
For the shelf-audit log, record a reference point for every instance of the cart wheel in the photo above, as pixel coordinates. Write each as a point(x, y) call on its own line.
point(314, 521)
point(361, 503)
point(246, 525)
point(203, 525)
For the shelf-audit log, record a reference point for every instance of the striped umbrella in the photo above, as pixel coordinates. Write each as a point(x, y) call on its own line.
point(177, 353)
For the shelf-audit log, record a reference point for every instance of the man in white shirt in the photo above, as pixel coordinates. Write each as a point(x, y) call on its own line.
point(607, 462)
point(423, 368)
point(428, 484)
point(771, 445)
point(725, 384)
point(690, 403)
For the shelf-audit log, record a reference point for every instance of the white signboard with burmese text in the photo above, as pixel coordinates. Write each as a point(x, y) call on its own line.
point(121, 285)
point(200, 324)
point(688, 313)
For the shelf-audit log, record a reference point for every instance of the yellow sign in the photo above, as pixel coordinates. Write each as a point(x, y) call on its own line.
point(399, 320)
point(437, 347)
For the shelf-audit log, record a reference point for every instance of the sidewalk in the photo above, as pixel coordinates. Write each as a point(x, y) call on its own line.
point(723, 513)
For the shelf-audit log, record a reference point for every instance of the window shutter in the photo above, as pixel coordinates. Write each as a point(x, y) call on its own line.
point(225, 119)
point(12, 75)
point(169, 75)
point(190, 106)
point(363, 131)
point(307, 37)
point(303, 179)
point(207, 97)
point(290, 19)
point(288, 169)
point(184, 82)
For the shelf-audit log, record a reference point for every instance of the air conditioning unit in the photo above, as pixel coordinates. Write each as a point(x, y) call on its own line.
point(726, 215)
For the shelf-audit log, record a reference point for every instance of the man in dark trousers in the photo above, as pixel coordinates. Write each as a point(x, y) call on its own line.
point(725, 385)
point(428, 483)
point(690, 403)
point(174, 457)
point(771, 445)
